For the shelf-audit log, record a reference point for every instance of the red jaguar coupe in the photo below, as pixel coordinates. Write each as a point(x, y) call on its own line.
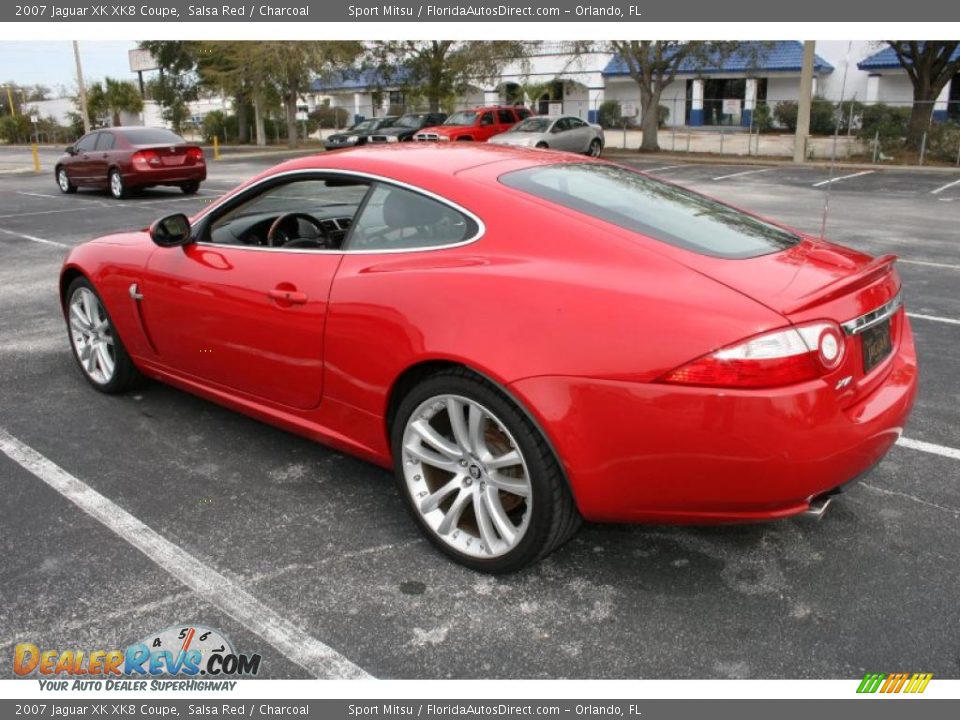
point(527, 338)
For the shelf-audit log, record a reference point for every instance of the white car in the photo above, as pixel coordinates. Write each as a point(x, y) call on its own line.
point(557, 132)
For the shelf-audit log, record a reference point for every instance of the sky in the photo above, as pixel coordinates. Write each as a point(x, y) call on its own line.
point(51, 62)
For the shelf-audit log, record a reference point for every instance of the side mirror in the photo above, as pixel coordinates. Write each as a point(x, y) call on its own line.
point(69, 150)
point(171, 231)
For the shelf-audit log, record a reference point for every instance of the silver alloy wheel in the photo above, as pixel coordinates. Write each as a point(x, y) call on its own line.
point(466, 476)
point(116, 184)
point(595, 148)
point(63, 180)
point(92, 336)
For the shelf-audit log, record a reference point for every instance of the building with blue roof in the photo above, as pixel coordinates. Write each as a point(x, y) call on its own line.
point(888, 82)
point(724, 91)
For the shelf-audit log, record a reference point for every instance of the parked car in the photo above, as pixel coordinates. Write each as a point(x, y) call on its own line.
point(647, 355)
point(406, 127)
point(122, 159)
point(357, 135)
point(557, 132)
point(478, 125)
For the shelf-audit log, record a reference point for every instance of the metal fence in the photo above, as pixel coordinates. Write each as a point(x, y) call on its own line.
point(848, 130)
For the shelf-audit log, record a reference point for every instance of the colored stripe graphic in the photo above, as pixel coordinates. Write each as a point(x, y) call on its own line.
point(894, 683)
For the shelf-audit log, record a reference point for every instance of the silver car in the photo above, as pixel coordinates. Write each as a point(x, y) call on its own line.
point(557, 132)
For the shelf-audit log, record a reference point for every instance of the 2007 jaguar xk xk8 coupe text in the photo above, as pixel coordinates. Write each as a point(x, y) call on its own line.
point(526, 337)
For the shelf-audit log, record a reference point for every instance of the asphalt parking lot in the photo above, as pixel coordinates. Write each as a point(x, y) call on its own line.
point(321, 541)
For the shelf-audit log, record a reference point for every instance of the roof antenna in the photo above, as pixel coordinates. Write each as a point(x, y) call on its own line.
point(836, 135)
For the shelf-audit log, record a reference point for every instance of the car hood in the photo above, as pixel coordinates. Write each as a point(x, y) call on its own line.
point(446, 129)
point(395, 131)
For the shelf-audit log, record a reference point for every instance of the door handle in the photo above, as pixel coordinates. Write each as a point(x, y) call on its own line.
point(288, 297)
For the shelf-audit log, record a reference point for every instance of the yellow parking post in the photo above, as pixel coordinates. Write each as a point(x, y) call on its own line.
point(36, 157)
point(216, 147)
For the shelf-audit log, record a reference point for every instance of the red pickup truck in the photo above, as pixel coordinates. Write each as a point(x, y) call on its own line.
point(479, 125)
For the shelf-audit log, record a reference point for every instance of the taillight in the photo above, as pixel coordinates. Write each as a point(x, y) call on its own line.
point(773, 359)
point(145, 159)
point(195, 154)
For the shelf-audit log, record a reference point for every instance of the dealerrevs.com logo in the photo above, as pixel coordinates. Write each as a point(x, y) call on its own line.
point(180, 651)
point(909, 683)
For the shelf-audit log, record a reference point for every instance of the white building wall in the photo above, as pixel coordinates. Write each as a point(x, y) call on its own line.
point(840, 54)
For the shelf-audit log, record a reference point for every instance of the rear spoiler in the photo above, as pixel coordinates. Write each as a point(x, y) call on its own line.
point(879, 267)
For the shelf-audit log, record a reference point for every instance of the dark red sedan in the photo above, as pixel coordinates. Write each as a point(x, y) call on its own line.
point(128, 158)
point(526, 337)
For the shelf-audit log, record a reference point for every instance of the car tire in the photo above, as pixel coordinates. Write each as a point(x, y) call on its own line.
point(63, 182)
point(116, 185)
point(190, 188)
point(477, 484)
point(96, 346)
point(596, 147)
point(542, 145)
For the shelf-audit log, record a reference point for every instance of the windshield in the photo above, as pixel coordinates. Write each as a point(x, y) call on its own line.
point(409, 121)
point(151, 136)
point(364, 126)
point(533, 125)
point(664, 212)
point(464, 117)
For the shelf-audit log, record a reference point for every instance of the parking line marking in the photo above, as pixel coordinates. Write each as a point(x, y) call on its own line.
point(929, 263)
point(934, 318)
point(843, 177)
point(944, 187)
point(667, 167)
point(922, 446)
point(741, 174)
point(33, 238)
point(20, 192)
point(320, 660)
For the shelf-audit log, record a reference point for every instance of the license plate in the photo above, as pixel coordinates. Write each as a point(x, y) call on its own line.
point(876, 344)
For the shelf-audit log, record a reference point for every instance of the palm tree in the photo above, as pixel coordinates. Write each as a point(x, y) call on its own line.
point(112, 97)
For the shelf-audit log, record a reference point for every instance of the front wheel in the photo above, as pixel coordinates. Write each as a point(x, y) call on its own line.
point(63, 181)
point(96, 346)
point(117, 188)
point(477, 475)
point(596, 147)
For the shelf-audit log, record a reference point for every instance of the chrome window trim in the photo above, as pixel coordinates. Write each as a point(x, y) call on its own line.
point(481, 227)
point(874, 317)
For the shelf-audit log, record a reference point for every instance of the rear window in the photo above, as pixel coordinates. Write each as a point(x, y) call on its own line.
point(152, 136)
point(636, 202)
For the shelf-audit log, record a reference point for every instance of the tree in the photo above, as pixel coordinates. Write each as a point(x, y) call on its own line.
point(293, 65)
point(176, 85)
point(108, 99)
point(442, 68)
point(653, 64)
point(929, 66)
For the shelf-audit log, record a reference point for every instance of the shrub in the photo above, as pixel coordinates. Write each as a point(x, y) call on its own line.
point(943, 142)
point(15, 128)
point(785, 115)
point(610, 114)
point(889, 122)
point(823, 119)
point(663, 114)
point(762, 120)
point(328, 117)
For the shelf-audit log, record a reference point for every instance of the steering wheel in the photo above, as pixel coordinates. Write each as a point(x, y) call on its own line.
point(276, 231)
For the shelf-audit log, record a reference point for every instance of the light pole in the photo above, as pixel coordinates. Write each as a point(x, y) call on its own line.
point(83, 89)
point(803, 108)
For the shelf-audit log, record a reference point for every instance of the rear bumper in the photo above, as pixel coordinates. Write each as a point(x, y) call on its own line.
point(637, 452)
point(165, 175)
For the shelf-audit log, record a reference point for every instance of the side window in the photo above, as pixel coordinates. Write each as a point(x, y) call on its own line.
point(506, 117)
point(577, 123)
point(87, 143)
point(307, 214)
point(105, 141)
point(562, 125)
point(394, 219)
point(486, 118)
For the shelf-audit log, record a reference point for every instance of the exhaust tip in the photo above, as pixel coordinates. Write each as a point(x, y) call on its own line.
point(818, 506)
